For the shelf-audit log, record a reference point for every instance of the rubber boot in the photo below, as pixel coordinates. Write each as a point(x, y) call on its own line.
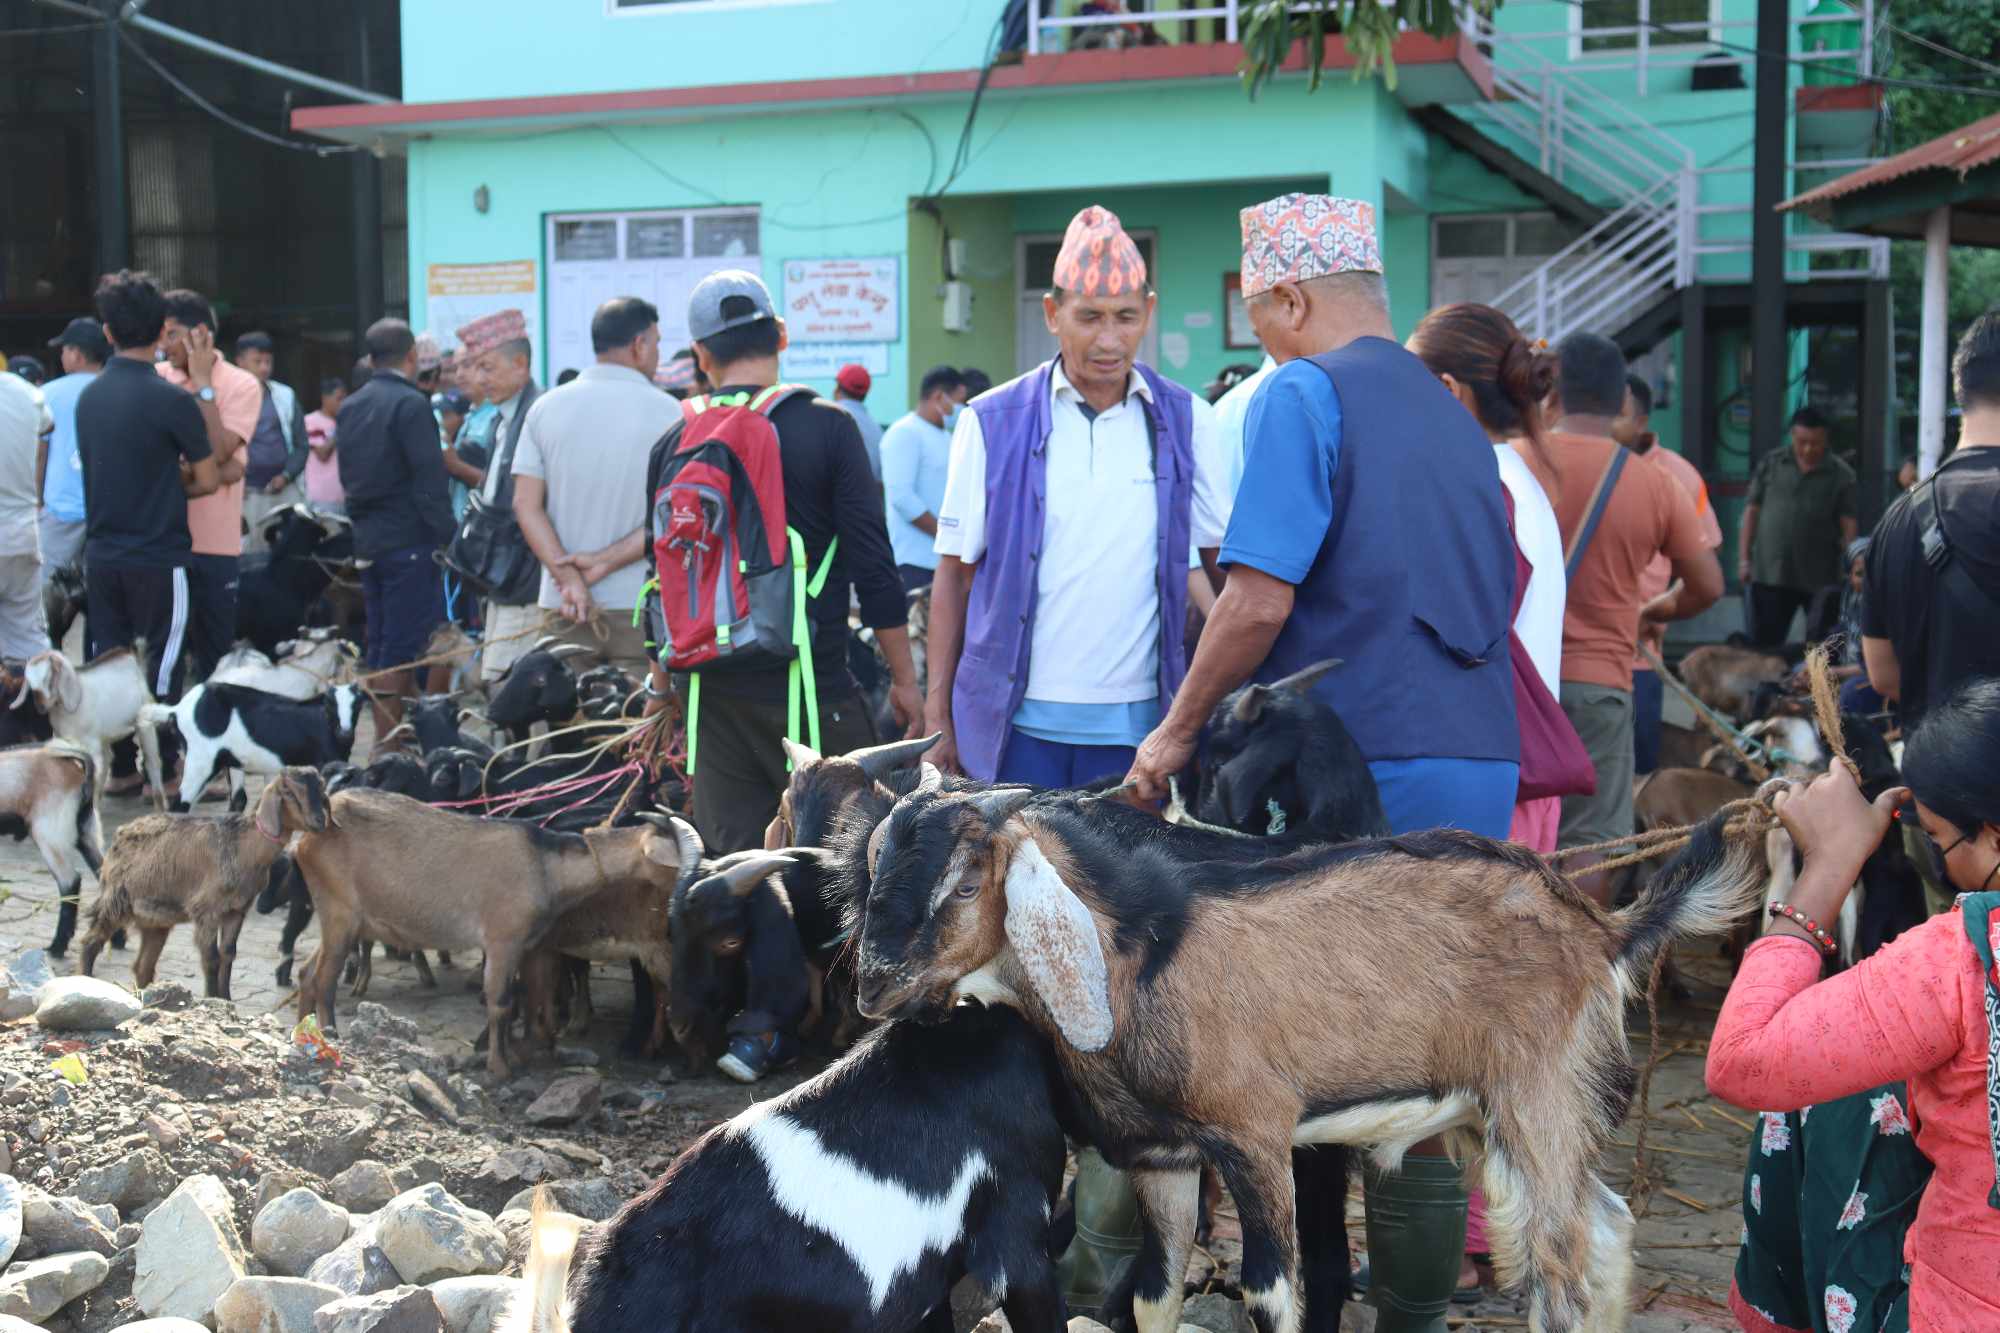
point(1416, 1239)
point(1107, 1233)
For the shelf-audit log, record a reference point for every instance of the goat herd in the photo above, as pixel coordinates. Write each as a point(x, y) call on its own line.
point(1177, 993)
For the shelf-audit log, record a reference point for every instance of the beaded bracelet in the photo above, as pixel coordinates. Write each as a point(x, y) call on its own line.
point(1827, 944)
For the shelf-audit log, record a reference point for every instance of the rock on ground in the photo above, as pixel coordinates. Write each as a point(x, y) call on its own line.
point(366, 1186)
point(30, 970)
point(357, 1267)
point(37, 1289)
point(83, 1004)
point(429, 1235)
point(474, 1304)
point(566, 1100)
point(595, 1199)
point(58, 1223)
point(404, 1310)
point(136, 1178)
point(271, 1305)
point(294, 1230)
point(158, 1326)
point(1217, 1313)
point(8, 1323)
point(189, 1251)
point(10, 1218)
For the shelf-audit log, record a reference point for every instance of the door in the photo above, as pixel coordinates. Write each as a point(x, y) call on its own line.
point(1034, 273)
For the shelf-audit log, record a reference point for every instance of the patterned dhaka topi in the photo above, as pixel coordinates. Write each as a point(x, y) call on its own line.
point(1296, 237)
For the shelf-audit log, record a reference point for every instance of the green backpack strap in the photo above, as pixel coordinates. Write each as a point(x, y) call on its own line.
point(801, 683)
point(1976, 912)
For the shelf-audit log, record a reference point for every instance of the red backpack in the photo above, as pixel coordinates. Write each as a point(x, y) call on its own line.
point(731, 574)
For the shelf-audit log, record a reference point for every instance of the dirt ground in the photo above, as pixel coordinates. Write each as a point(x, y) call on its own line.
point(1688, 1213)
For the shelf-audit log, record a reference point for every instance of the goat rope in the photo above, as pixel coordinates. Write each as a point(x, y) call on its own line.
point(1708, 717)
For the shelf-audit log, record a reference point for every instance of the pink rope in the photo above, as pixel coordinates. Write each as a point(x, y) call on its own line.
point(511, 801)
point(602, 787)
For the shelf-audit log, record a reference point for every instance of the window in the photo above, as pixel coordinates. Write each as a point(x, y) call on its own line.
point(1592, 15)
point(657, 254)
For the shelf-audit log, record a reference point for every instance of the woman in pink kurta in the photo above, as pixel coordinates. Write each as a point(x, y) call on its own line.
point(1915, 1011)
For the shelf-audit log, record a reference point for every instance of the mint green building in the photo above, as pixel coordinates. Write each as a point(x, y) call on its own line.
point(899, 174)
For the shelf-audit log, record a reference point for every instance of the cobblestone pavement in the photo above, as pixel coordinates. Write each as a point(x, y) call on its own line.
point(1688, 1220)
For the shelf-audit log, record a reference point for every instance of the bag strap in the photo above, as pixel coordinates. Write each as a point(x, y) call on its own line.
point(1600, 500)
point(1975, 913)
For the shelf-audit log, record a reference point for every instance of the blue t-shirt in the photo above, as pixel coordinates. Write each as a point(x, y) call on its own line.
point(916, 457)
point(62, 489)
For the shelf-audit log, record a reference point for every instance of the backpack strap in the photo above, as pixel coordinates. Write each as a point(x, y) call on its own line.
point(1975, 913)
point(767, 400)
point(1600, 500)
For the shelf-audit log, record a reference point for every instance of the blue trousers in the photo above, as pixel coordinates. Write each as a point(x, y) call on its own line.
point(1476, 795)
point(1648, 697)
point(1041, 763)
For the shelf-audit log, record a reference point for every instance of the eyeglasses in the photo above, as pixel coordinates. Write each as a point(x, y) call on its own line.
point(1930, 856)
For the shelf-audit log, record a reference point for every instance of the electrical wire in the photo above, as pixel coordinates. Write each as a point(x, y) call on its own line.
point(50, 31)
point(1942, 49)
point(241, 127)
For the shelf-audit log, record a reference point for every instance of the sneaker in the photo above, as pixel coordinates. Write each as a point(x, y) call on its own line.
point(750, 1058)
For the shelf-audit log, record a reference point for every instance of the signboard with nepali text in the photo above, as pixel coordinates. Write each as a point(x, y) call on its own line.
point(843, 300)
point(457, 294)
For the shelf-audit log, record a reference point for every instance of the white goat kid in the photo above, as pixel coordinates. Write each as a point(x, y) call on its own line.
point(94, 706)
point(305, 668)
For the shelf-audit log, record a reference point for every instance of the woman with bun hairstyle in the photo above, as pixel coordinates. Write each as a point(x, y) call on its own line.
point(1502, 378)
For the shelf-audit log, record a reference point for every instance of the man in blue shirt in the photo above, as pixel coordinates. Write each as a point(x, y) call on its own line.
point(84, 350)
point(916, 454)
point(1370, 526)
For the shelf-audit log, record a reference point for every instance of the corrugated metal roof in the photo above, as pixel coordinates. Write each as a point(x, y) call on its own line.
point(1974, 145)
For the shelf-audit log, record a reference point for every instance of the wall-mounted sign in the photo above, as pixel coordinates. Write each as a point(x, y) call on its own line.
point(821, 361)
point(1236, 328)
point(843, 300)
point(457, 294)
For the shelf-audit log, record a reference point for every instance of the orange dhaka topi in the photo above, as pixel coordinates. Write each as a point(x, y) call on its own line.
point(1097, 257)
point(487, 332)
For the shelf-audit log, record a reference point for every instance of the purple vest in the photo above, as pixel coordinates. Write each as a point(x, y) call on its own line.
point(1000, 615)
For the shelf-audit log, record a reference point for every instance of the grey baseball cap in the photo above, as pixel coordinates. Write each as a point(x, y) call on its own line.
point(705, 317)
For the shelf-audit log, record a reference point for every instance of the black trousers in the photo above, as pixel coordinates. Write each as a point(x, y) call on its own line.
point(1768, 610)
point(212, 581)
point(130, 605)
point(740, 764)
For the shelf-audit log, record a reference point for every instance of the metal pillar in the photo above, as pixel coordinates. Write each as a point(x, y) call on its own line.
point(1697, 412)
point(1770, 352)
point(1932, 353)
point(367, 210)
point(107, 124)
point(1878, 461)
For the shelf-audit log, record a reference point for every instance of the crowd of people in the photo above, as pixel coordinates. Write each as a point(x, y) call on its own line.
point(1483, 529)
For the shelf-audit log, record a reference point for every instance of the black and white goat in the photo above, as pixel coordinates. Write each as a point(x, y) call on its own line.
point(851, 1204)
point(237, 729)
point(49, 793)
point(281, 585)
point(1201, 996)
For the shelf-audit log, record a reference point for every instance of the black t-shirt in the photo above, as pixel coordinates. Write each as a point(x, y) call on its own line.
point(132, 431)
point(830, 491)
point(1944, 625)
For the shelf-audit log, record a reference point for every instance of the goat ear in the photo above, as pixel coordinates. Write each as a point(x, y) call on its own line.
point(1250, 703)
point(1302, 680)
point(1055, 937)
point(660, 851)
point(69, 685)
point(271, 811)
point(798, 756)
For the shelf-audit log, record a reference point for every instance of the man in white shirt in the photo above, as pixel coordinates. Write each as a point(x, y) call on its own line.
point(24, 421)
point(580, 483)
point(1076, 492)
point(916, 455)
point(1231, 411)
point(497, 350)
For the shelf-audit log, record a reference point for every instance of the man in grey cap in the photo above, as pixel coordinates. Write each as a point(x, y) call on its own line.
point(740, 709)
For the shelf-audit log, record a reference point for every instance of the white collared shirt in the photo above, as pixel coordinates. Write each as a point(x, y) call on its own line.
point(1097, 615)
point(502, 414)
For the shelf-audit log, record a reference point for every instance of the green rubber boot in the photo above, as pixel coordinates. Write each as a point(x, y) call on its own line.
point(1107, 1233)
point(1416, 1239)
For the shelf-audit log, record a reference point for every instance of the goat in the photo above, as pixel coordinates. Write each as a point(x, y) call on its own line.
point(538, 687)
point(237, 729)
point(303, 669)
point(26, 726)
point(105, 701)
point(926, 1154)
point(1725, 677)
point(1276, 759)
point(63, 597)
point(413, 877)
point(162, 870)
point(1202, 997)
point(49, 793)
point(279, 586)
point(433, 720)
point(628, 922)
point(826, 791)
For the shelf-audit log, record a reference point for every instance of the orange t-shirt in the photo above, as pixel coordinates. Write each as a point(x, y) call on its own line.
point(1659, 575)
point(1649, 515)
point(215, 521)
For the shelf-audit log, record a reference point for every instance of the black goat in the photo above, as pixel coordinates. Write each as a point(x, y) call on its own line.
point(927, 1154)
point(400, 773)
point(1276, 759)
point(63, 600)
point(280, 585)
point(737, 952)
point(434, 720)
point(539, 687)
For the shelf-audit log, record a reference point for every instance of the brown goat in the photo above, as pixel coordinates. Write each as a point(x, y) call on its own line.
point(1724, 678)
point(825, 791)
point(162, 870)
point(1211, 1002)
point(415, 877)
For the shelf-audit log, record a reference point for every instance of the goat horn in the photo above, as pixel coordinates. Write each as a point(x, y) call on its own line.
point(688, 842)
point(1001, 803)
point(544, 642)
point(22, 697)
point(562, 650)
point(930, 777)
point(798, 755)
point(878, 761)
point(1302, 680)
point(748, 874)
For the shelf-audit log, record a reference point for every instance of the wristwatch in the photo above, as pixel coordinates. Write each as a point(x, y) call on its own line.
point(206, 393)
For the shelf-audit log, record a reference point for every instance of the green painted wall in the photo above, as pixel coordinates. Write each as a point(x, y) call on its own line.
point(986, 226)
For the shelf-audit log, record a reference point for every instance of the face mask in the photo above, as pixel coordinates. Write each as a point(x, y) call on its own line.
point(951, 417)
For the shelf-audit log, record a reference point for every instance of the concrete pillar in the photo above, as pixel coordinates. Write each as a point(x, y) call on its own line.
point(1933, 356)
